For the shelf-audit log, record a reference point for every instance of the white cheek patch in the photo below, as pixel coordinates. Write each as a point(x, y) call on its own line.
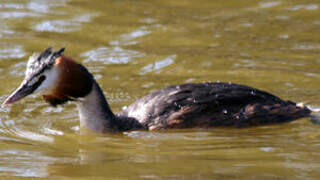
point(48, 85)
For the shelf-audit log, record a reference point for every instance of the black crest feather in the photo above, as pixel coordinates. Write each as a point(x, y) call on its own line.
point(39, 62)
point(50, 55)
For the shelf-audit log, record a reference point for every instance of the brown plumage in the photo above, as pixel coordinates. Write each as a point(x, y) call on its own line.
point(74, 82)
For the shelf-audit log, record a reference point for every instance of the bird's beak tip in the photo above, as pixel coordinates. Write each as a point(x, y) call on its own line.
point(20, 93)
point(4, 105)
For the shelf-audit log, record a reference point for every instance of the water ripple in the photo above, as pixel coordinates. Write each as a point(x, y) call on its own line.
point(4, 30)
point(311, 7)
point(43, 6)
point(38, 6)
point(24, 163)
point(269, 4)
point(316, 75)
point(128, 39)
point(7, 15)
point(306, 46)
point(33, 136)
point(158, 65)
point(11, 51)
point(12, 6)
point(18, 69)
point(111, 55)
point(61, 26)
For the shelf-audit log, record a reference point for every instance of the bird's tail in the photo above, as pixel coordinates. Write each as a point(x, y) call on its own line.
point(258, 114)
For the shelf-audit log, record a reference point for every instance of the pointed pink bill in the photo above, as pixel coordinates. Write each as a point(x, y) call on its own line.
point(18, 94)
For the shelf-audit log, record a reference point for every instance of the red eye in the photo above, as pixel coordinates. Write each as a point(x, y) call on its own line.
point(42, 78)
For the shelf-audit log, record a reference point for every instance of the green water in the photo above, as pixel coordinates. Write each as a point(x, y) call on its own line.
point(136, 47)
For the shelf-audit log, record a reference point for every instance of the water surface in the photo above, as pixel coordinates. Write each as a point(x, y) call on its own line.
point(136, 47)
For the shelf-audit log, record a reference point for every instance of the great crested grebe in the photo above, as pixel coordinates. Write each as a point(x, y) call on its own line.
point(60, 79)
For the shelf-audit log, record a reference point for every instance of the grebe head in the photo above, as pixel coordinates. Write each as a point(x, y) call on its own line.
point(56, 77)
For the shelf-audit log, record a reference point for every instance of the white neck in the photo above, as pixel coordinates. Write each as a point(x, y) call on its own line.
point(95, 113)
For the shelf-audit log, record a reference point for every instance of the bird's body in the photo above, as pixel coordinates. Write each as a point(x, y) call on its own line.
point(60, 79)
point(211, 104)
